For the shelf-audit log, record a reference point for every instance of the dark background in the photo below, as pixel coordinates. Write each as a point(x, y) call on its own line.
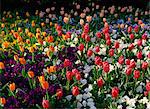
point(33, 5)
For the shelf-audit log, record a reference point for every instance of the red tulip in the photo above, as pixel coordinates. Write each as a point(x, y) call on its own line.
point(100, 82)
point(128, 71)
point(69, 75)
point(68, 34)
point(106, 67)
point(78, 76)
point(136, 29)
point(144, 65)
point(139, 43)
point(86, 28)
point(111, 52)
point(148, 86)
point(108, 42)
point(98, 34)
point(75, 90)
point(131, 36)
point(139, 55)
point(89, 53)
point(87, 38)
point(81, 47)
point(58, 28)
point(144, 36)
point(121, 60)
point(59, 93)
point(74, 71)
point(115, 92)
point(83, 35)
point(145, 93)
point(127, 61)
point(136, 74)
point(129, 29)
point(116, 45)
point(132, 64)
point(98, 60)
point(67, 63)
point(130, 47)
point(97, 49)
point(59, 33)
point(45, 104)
point(107, 36)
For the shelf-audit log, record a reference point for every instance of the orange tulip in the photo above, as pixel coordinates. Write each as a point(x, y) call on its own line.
point(64, 37)
point(50, 39)
point(5, 44)
point(45, 85)
point(2, 25)
point(16, 35)
point(52, 49)
point(41, 79)
point(44, 34)
point(31, 74)
point(22, 61)
point(2, 65)
point(19, 39)
point(27, 41)
point(2, 100)
point(42, 24)
point(21, 48)
point(12, 86)
point(51, 69)
point(30, 34)
point(88, 18)
point(66, 19)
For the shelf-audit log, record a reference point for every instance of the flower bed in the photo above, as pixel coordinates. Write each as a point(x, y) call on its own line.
point(98, 58)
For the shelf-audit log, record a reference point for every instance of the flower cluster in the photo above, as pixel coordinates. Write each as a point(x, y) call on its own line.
point(98, 58)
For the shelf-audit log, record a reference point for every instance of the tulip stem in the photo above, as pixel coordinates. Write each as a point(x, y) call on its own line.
point(149, 95)
point(32, 57)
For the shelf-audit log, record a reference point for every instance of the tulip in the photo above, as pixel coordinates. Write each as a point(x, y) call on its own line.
point(129, 29)
point(31, 74)
point(45, 104)
point(131, 36)
point(5, 44)
point(98, 60)
point(136, 74)
point(144, 36)
point(75, 91)
point(97, 49)
point(12, 86)
point(89, 53)
point(45, 85)
point(67, 63)
point(148, 86)
point(59, 93)
point(2, 65)
point(100, 82)
point(139, 42)
point(108, 42)
point(2, 100)
point(87, 38)
point(106, 67)
point(139, 55)
point(130, 47)
point(144, 65)
point(22, 61)
point(78, 76)
point(115, 92)
point(69, 75)
point(127, 61)
point(81, 47)
point(116, 45)
point(121, 60)
point(111, 52)
point(98, 34)
point(128, 71)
